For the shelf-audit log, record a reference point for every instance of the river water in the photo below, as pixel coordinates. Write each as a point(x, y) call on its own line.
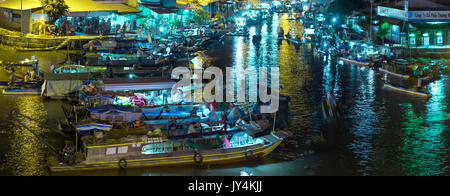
point(385, 132)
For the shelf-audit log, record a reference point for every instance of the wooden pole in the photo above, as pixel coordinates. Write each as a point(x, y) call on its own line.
point(274, 121)
point(76, 132)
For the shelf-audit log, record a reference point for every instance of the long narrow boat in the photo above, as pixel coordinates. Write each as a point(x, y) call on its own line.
point(347, 60)
point(4, 84)
point(392, 73)
point(406, 90)
point(160, 151)
point(21, 91)
point(31, 89)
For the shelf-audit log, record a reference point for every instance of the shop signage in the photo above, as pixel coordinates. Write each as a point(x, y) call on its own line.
point(392, 13)
point(429, 15)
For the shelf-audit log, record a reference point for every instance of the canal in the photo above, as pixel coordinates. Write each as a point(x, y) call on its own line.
point(384, 132)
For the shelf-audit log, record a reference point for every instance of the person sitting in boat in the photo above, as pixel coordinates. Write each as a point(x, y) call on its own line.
point(33, 75)
point(27, 77)
point(240, 123)
point(192, 128)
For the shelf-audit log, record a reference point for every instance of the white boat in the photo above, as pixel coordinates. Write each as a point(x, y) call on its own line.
point(406, 90)
point(346, 60)
point(392, 73)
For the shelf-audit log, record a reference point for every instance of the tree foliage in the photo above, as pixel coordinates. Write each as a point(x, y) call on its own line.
point(54, 8)
point(383, 29)
point(200, 16)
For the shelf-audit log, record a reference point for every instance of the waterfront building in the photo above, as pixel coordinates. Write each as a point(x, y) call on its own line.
point(28, 16)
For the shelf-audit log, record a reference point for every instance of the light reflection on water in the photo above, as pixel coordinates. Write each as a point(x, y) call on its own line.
point(389, 133)
point(26, 155)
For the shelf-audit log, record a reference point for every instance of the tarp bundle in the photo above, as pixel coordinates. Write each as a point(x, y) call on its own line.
point(93, 126)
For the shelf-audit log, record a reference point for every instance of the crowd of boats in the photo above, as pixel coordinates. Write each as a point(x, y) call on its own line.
point(402, 74)
point(123, 114)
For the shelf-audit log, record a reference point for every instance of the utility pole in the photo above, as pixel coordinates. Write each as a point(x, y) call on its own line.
point(21, 19)
point(370, 31)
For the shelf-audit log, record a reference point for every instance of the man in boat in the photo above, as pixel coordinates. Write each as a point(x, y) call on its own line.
point(12, 78)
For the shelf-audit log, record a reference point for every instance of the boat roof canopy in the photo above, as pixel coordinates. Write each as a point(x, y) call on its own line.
point(129, 84)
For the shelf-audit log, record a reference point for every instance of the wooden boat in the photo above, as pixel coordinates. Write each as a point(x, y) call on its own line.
point(146, 151)
point(392, 73)
point(355, 62)
point(35, 84)
point(238, 34)
point(406, 90)
point(26, 62)
point(22, 91)
point(79, 69)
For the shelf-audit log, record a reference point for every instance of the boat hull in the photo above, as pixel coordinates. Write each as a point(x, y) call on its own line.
point(209, 157)
point(22, 92)
point(406, 90)
point(345, 60)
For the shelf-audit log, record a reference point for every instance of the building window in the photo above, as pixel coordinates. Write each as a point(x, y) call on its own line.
point(122, 150)
point(111, 151)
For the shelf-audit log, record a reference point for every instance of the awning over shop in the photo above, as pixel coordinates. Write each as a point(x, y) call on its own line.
point(162, 10)
point(122, 8)
point(16, 4)
point(138, 84)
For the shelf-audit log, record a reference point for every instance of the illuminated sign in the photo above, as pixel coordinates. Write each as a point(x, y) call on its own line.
point(392, 13)
point(429, 15)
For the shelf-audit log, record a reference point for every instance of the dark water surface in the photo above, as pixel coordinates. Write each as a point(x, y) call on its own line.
point(386, 132)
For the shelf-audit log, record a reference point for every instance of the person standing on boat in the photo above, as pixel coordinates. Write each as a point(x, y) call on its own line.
point(224, 120)
point(12, 78)
point(36, 67)
point(165, 96)
point(108, 61)
point(139, 56)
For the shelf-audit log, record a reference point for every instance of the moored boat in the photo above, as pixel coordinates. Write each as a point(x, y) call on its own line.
point(146, 151)
point(21, 91)
point(392, 73)
point(355, 62)
point(410, 91)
